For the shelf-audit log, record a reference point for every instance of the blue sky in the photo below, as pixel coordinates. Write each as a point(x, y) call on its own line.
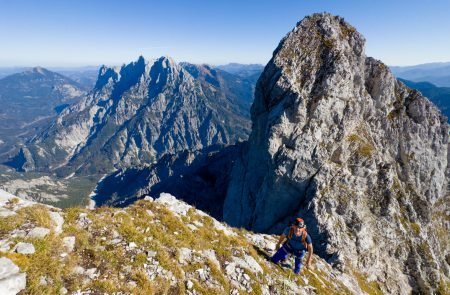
point(92, 32)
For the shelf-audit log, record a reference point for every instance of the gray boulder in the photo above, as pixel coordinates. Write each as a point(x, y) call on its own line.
point(69, 243)
point(11, 280)
point(38, 233)
point(58, 221)
point(24, 248)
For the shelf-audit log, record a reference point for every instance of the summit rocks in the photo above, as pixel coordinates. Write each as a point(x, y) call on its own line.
point(338, 140)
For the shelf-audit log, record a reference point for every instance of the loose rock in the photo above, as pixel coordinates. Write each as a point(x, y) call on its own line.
point(24, 248)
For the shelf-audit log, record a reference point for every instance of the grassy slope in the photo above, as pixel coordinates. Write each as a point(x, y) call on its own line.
point(123, 269)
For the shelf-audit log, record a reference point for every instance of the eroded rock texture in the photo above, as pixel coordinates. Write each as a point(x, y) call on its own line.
point(337, 139)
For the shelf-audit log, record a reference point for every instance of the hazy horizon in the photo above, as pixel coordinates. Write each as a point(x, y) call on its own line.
point(92, 67)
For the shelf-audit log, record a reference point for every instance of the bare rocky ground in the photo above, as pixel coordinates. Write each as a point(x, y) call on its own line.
point(152, 247)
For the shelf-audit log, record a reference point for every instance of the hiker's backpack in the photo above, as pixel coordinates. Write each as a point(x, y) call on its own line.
point(304, 233)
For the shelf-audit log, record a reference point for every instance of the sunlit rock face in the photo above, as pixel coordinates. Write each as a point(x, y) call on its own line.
point(338, 140)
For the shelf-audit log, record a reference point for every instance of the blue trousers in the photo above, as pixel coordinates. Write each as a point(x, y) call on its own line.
point(284, 251)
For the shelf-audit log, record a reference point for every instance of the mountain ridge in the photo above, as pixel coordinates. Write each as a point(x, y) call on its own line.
point(135, 114)
point(30, 99)
point(436, 73)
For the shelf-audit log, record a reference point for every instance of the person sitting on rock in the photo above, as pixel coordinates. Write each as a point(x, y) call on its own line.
point(297, 243)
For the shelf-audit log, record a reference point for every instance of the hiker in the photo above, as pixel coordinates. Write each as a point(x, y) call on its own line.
point(297, 243)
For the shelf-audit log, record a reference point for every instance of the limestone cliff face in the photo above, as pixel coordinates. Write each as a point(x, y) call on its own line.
point(337, 139)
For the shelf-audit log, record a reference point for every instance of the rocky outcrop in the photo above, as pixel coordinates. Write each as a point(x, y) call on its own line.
point(11, 280)
point(134, 115)
point(338, 140)
point(21, 228)
point(437, 95)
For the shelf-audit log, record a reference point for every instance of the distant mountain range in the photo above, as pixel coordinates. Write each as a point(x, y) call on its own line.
point(23, 118)
point(250, 72)
point(140, 111)
point(85, 76)
point(435, 73)
point(29, 100)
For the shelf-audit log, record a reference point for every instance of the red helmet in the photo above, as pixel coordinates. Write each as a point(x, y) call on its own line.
point(299, 222)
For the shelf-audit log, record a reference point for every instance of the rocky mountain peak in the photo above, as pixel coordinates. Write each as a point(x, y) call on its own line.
point(136, 113)
point(167, 62)
point(136, 71)
point(307, 58)
point(338, 140)
point(37, 73)
point(322, 30)
point(39, 70)
point(105, 74)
